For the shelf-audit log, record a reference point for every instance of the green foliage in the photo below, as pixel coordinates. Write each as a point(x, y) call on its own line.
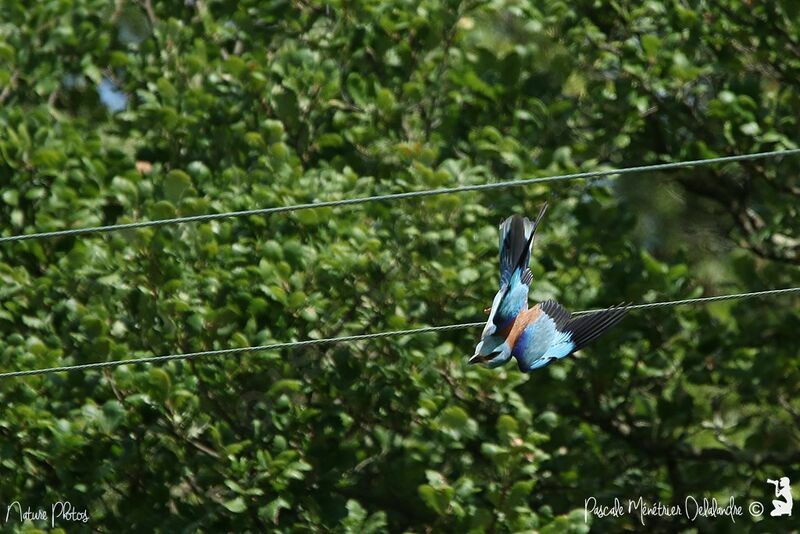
point(238, 105)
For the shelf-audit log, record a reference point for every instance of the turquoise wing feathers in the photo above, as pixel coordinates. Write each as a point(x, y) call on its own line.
point(536, 336)
point(555, 334)
point(516, 238)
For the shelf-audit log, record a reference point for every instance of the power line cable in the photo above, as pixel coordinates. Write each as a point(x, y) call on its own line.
point(703, 300)
point(362, 337)
point(397, 196)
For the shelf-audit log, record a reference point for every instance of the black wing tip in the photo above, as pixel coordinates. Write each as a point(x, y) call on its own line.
point(556, 311)
point(587, 328)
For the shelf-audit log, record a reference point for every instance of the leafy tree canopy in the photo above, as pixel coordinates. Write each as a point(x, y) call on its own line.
point(125, 111)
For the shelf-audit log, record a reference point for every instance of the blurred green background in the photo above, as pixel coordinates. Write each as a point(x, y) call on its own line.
point(121, 111)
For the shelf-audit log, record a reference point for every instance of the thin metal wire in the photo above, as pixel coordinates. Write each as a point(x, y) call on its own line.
point(362, 337)
point(397, 196)
point(703, 300)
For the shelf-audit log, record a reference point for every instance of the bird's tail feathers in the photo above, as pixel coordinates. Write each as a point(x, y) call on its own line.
point(516, 238)
point(539, 217)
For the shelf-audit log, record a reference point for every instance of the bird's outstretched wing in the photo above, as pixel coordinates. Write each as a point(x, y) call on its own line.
point(516, 238)
point(555, 334)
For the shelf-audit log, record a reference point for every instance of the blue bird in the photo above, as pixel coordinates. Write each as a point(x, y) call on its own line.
point(539, 335)
point(516, 237)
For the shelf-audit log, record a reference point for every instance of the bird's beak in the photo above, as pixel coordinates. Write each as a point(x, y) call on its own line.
point(477, 358)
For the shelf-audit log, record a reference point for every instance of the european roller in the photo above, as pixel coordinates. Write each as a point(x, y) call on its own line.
point(534, 336)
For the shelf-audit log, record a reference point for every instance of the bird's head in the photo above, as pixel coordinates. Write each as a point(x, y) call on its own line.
point(492, 351)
